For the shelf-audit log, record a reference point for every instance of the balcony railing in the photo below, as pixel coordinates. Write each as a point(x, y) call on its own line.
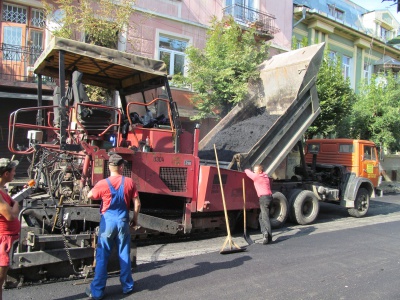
point(16, 62)
point(251, 17)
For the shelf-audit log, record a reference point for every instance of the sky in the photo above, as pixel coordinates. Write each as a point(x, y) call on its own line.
point(378, 4)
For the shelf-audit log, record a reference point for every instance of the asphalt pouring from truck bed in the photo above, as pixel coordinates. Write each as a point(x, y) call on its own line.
point(238, 138)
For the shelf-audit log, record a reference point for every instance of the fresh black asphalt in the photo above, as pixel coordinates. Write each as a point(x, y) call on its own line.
point(354, 263)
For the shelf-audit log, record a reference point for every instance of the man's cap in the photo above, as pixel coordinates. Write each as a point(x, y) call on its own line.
point(116, 160)
point(7, 164)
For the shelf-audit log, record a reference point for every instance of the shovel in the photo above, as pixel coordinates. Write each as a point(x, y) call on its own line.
point(233, 247)
point(246, 237)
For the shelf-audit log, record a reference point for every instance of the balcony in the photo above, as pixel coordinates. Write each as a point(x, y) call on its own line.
point(248, 17)
point(16, 63)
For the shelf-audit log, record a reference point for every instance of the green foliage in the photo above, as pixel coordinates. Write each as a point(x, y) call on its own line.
point(101, 20)
point(219, 73)
point(336, 99)
point(376, 113)
point(295, 41)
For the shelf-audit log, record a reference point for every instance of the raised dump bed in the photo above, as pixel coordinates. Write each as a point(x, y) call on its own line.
point(279, 108)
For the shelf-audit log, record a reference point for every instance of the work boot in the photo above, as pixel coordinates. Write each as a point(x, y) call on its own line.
point(265, 240)
point(89, 294)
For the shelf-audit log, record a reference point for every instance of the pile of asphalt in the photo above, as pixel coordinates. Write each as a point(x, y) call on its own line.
point(389, 187)
point(238, 138)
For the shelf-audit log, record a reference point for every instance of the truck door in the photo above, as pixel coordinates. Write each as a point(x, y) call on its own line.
point(370, 164)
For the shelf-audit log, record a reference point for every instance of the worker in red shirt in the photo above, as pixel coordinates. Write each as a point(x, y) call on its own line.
point(10, 226)
point(117, 193)
point(263, 188)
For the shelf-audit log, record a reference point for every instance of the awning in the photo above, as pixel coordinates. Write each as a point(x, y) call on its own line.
point(101, 66)
point(388, 62)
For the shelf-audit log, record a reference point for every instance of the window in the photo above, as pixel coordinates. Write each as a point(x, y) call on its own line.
point(367, 72)
point(369, 153)
point(346, 148)
point(172, 52)
point(22, 36)
point(12, 40)
point(332, 55)
point(36, 45)
point(346, 64)
point(242, 10)
point(299, 44)
point(14, 14)
point(336, 13)
point(313, 148)
point(385, 34)
point(37, 19)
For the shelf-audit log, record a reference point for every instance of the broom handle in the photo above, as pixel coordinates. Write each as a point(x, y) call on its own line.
point(244, 205)
point(222, 193)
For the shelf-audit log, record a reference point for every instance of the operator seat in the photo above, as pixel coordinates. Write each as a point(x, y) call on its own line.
point(78, 89)
point(94, 120)
point(162, 106)
point(162, 111)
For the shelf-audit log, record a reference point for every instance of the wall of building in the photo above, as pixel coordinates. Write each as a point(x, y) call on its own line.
point(283, 11)
point(391, 164)
point(186, 20)
point(190, 19)
point(356, 34)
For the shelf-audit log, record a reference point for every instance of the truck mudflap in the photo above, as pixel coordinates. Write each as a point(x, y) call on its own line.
point(353, 185)
point(285, 97)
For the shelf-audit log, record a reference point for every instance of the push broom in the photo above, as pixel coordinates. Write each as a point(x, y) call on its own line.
point(233, 247)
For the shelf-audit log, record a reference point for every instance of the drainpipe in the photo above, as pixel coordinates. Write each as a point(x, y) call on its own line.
point(302, 18)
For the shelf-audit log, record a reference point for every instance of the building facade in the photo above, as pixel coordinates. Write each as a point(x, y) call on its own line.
point(360, 38)
point(162, 29)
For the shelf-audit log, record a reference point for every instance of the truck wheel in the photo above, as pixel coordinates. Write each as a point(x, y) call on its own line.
point(291, 196)
point(278, 210)
point(306, 207)
point(361, 204)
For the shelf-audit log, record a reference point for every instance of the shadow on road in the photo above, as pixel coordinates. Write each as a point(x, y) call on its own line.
point(155, 282)
point(378, 206)
point(299, 232)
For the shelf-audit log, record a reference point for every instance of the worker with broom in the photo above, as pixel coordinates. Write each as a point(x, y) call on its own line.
point(263, 188)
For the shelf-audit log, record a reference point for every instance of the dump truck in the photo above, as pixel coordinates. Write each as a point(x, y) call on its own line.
point(331, 159)
point(69, 144)
point(267, 129)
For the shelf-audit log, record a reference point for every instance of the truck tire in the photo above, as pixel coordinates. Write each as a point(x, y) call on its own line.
point(361, 204)
point(306, 207)
point(278, 210)
point(291, 196)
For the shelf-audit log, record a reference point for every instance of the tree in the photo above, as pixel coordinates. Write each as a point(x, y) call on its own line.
point(219, 74)
point(99, 22)
point(395, 2)
point(376, 113)
point(336, 99)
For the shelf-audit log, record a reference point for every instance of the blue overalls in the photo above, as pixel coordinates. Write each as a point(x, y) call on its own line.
point(114, 228)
